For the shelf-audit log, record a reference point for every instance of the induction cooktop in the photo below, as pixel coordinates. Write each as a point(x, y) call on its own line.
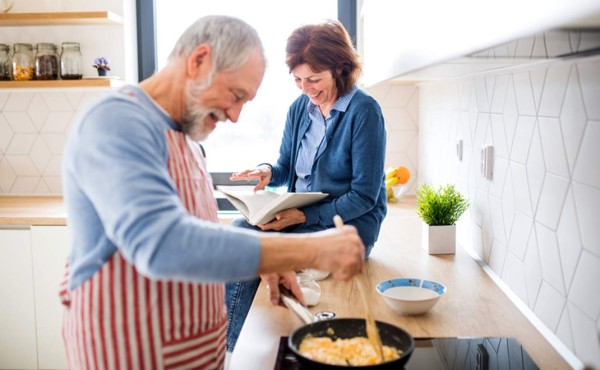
point(461, 353)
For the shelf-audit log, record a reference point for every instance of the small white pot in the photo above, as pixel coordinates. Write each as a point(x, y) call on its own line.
point(439, 239)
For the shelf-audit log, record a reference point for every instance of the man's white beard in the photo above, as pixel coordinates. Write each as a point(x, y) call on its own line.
point(192, 122)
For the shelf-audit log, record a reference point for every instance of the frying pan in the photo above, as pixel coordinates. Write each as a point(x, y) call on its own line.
point(344, 328)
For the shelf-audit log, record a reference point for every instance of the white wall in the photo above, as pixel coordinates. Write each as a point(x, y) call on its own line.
point(400, 105)
point(536, 222)
point(34, 123)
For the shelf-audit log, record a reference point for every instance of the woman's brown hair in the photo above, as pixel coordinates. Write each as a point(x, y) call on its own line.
point(325, 46)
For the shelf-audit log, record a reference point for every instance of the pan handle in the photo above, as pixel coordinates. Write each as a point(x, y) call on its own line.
point(297, 308)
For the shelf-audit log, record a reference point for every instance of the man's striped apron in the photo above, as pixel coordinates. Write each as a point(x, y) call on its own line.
point(119, 319)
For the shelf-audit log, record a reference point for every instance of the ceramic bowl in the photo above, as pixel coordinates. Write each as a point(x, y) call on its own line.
point(399, 190)
point(410, 296)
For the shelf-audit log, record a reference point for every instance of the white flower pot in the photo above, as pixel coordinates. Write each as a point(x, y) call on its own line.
point(439, 239)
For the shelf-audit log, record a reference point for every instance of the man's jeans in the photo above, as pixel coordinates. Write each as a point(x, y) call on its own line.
point(240, 294)
point(238, 297)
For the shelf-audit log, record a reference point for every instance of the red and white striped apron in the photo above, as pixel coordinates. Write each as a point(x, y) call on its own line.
point(119, 319)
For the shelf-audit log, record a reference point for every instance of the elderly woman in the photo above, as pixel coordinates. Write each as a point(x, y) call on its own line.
point(333, 142)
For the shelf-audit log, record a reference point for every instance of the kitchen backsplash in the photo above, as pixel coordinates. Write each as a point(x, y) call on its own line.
point(400, 106)
point(536, 222)
point(34, 126)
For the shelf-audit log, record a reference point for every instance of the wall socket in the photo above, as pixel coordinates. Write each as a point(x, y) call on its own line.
point(459, 150)
point(487, 161)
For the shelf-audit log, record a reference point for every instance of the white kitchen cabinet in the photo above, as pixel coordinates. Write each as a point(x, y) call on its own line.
point(49, 253)
point(397, 38)
point(17, 316)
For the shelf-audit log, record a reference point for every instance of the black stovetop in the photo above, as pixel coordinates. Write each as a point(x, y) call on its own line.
point(462, 353)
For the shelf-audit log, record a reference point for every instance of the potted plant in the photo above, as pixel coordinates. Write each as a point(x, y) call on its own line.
point(440, 209)
point(102, 65)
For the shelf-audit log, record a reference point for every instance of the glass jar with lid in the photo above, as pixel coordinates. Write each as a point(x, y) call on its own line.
point(70, 61)
point(46, 62)
point(310, 288)
point(23, 67)
point(4, 62)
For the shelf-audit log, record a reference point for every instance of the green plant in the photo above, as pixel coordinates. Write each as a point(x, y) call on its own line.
point(443, 206)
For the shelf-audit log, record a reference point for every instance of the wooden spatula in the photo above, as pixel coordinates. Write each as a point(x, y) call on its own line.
point(372, 332)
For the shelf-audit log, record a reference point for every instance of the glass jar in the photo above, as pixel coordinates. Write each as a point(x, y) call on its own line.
point(310, 288)
point(23, 67)
point(4, 62)
point(46, 62)
point(70, 61)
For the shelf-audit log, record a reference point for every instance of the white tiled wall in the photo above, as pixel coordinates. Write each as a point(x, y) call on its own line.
point(33, 128)
point(400, 106)
point(536, 222)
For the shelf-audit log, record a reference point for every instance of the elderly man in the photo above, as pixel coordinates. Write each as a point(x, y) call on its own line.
point(148, 259)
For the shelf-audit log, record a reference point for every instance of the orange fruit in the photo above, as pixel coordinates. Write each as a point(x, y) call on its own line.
point(403, 174)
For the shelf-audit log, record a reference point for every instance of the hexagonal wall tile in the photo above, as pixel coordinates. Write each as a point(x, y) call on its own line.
point(554, 90)
point(21, 144)
point(589, 74)
point(8, 175)
point(573, 119)
point(38, 112)
point(6, 134)
point(587, 170)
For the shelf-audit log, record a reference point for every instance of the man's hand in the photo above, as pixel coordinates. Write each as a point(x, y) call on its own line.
point(288, 279)
point(341, 251)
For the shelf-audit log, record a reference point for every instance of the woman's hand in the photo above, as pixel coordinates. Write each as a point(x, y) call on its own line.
point(260, 173)
point(283, 219)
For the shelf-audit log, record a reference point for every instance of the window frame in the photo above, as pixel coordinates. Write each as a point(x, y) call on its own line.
point(148, 61)
point(146, 32)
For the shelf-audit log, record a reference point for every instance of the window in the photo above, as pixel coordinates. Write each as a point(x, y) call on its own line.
point(255, 138)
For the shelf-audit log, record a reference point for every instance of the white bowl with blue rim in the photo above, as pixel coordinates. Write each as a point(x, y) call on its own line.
point(410, 296)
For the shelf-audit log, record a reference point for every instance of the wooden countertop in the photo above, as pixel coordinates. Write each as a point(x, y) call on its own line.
point(48, 211)
point(32, 211)
point(473, 305)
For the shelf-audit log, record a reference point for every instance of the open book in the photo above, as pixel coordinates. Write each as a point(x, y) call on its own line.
point(261, 207)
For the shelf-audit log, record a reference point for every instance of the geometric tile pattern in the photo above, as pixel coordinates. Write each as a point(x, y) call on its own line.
point(400, 106)
point(536, 222)
point(33, 128)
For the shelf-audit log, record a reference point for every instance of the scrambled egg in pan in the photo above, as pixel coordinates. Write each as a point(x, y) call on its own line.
point(356, 351)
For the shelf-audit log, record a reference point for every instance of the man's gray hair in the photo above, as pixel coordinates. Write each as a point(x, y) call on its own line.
point(232, 41)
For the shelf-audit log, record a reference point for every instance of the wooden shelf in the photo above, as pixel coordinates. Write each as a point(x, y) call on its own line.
point(60, 84)
point(60, 18)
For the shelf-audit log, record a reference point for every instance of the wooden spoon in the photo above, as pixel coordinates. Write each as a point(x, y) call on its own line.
point(372, 332)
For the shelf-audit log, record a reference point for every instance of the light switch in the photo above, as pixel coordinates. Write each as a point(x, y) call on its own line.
point(459, 149)
point(487, 161)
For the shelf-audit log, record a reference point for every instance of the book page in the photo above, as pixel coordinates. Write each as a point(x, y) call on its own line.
point(283, 202)
point(246, 200)
point(261, 207)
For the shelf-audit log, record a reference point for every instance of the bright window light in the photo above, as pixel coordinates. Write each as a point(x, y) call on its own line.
point(255, 138)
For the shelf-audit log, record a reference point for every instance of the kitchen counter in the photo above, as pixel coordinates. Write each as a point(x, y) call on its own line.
point(473, 305)
point(32, 211)
point(49, 211)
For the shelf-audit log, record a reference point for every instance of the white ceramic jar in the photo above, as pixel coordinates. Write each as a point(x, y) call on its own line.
point(310, 288)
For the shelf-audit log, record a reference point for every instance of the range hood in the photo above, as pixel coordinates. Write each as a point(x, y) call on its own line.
point(405, 39)
point(544, 47)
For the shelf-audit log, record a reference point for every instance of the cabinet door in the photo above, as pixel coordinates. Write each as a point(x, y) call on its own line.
point(17, 318)
point(50, 249)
